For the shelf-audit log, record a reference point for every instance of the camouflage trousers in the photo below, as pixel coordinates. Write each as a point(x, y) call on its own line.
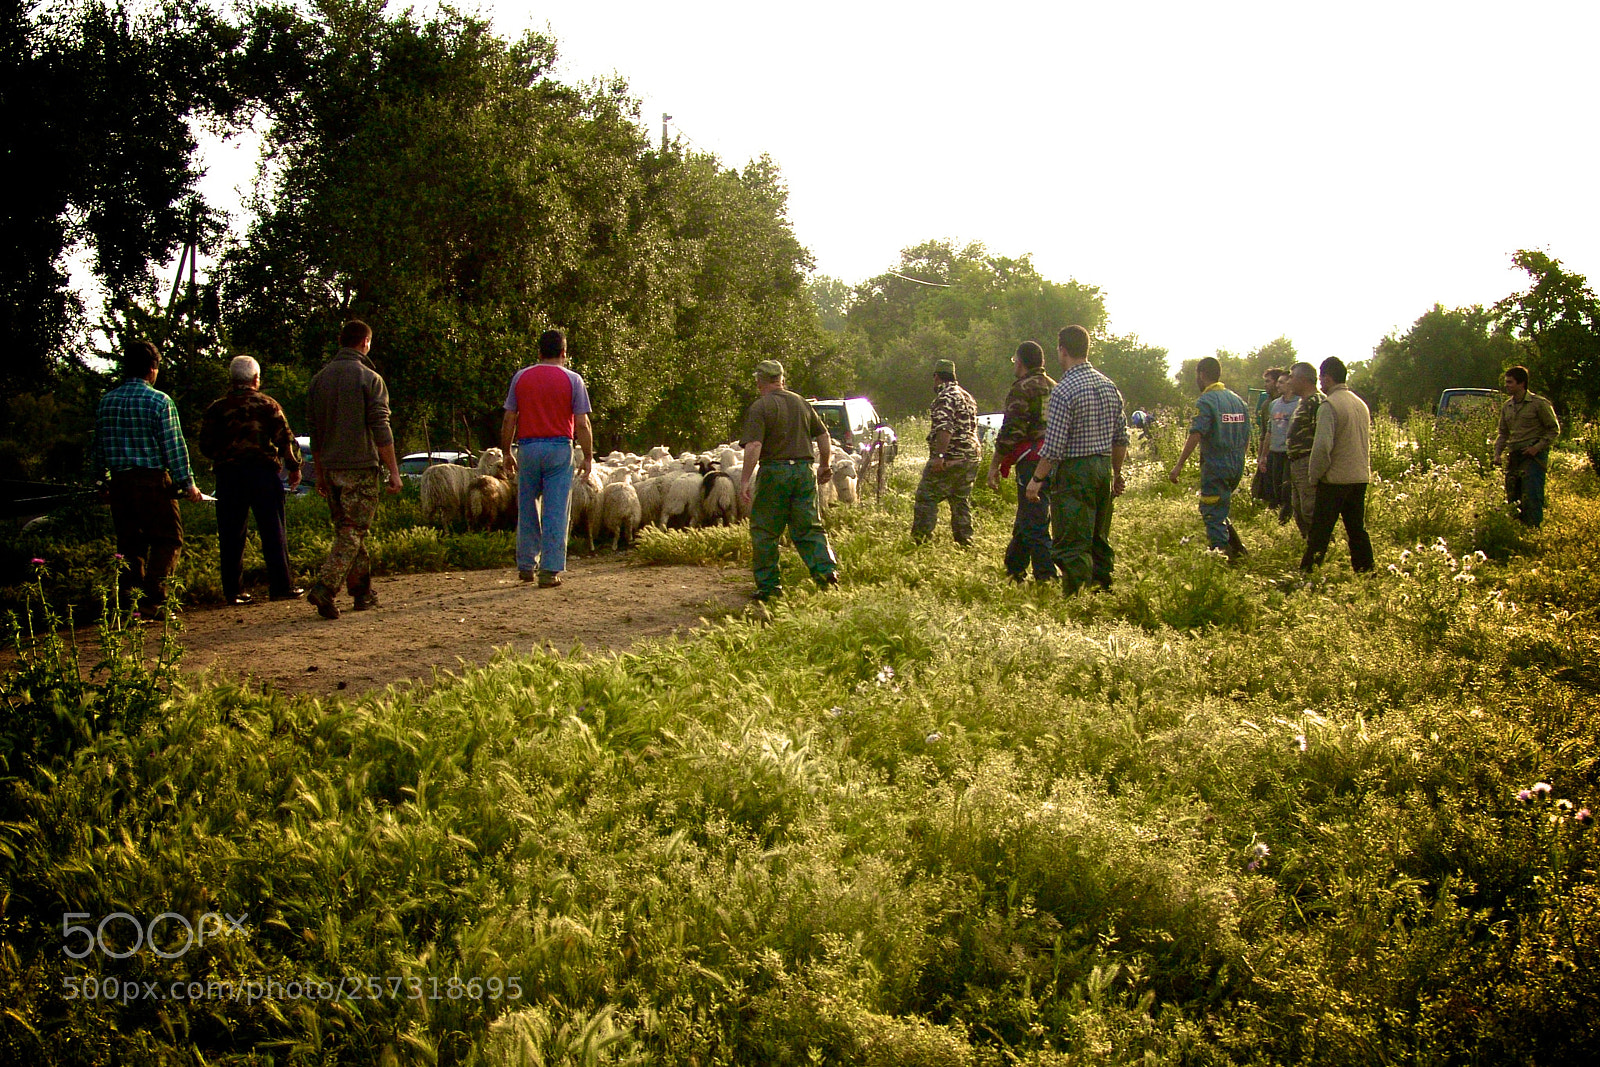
point(1302, 493)
point(352, 502)
point(954, 484)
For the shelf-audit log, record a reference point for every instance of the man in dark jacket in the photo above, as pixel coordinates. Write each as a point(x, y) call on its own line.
point(350, 436)
point(1019, 443)
point(247, 439)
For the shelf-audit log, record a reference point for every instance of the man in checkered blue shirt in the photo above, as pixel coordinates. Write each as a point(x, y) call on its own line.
point(138, 438)
point(1085, 443)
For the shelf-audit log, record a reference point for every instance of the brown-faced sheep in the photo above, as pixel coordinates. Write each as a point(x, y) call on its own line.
point(445, 485)
point(491, 503)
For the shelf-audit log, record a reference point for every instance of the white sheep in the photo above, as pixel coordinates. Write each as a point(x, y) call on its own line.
point(719, 500)
point(680, 504)
point(652, 491)
point(583, 512)
point(844, 479)
point(445, 485)
point(619, 514)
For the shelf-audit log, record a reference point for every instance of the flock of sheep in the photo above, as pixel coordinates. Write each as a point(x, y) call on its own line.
point(622, 494)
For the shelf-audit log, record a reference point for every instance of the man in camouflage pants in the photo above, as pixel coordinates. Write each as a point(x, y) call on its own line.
point(1019, 444)
point(350, 436)
point(247, 438)
point(1302, 379)
point(953, 457)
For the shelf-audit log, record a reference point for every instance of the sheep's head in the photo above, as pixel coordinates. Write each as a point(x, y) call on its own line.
point(491, 462)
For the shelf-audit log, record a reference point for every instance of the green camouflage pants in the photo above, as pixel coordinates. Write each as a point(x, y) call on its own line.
point(954, 484)
point(1302, 493)
point(786, 496)
point(352, 501)
point(1080, 521)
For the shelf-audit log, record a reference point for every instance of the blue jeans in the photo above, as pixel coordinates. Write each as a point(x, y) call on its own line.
point(544, 472)
point(1525, 487)
point(1030, 531)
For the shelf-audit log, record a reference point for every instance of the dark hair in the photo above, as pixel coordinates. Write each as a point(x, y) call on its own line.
point(1334, 368)
point(1031, 354)
point(551, 344)
point(353, 333)
point(1518, 374)
point(1074, 340)
point(1273, 372)
point(139, 359)
point(1209, 368)
point(1304, 371)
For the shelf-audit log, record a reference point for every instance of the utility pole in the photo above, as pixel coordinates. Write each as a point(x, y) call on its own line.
point(665, 118)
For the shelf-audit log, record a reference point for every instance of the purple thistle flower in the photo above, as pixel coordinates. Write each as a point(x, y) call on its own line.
point(1582, 817)
point(118, 556)
point(1525, 796)
point(1541, 790)
point(37, 562)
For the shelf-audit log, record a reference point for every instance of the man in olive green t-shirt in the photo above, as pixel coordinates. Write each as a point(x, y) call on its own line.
point(778, 431)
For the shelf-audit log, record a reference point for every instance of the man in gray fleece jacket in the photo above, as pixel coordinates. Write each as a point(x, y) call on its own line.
point(348, 408)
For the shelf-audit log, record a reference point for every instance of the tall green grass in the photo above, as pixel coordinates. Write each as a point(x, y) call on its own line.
point(1216, 815)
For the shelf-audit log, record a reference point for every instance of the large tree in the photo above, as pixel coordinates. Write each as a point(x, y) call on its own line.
point(1556, 322)
point(945, 302)
point(97, 101)
point(1445, 348)
point(434, 179)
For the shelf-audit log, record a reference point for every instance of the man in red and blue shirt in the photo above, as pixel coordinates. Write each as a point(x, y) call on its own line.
point(139, 440)
point(546, 408)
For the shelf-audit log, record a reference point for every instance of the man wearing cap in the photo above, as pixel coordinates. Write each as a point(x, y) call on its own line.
point(1528, 427)
point(545, 410)
point(1085, 444)
point(138, 438)
point(1018, 444)
point(1221, 430)
point(779, 430)
point(953, 455)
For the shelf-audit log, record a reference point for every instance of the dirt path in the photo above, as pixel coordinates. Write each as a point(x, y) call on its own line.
point(438, 621)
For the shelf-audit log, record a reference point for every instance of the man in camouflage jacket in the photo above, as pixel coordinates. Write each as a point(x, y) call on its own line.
point(1018, 444)
point(247, 439)
point(953, 458)
point(1302, 378)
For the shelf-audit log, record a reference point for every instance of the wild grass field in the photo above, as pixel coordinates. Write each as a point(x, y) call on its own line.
point(1214, 816)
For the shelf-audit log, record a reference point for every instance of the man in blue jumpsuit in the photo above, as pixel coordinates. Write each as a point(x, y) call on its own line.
point(1221, 429)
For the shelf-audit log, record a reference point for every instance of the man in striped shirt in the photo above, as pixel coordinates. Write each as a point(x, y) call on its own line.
point(139, 440)
point(1085, 443)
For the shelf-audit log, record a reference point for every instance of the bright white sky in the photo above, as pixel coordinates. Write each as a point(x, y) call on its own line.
point(1225, 172)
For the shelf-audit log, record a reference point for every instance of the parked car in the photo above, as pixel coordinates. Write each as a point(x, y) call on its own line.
point(1459, 402)
point(413, 465)
point(308, 468)
point(854, 424)
point(989, 427)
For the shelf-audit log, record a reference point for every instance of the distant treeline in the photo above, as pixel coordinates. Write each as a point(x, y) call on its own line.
point(433, 178)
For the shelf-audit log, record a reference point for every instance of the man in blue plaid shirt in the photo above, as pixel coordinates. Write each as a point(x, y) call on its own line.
point(137, 438)
point(1085, 443)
